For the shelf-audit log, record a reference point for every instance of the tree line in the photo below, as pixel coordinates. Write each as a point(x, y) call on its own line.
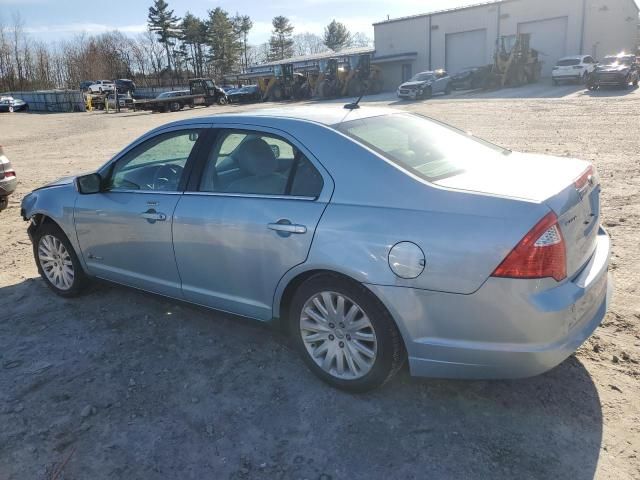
point(170, 51)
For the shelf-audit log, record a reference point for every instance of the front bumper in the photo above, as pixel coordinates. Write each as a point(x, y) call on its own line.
point(411, 94)
point(507, 329)
point(610, 79)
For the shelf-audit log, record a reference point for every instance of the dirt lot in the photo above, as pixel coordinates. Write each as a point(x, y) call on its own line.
point(120, 384)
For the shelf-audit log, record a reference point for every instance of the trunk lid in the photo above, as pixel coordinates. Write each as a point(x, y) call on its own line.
point(549, 180)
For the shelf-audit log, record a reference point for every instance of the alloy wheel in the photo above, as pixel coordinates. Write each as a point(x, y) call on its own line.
point(338, 335)
point(56, 262)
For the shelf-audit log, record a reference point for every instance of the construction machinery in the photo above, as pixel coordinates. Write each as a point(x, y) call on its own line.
point(515, 63)
point(284, 84)
point(354, 77)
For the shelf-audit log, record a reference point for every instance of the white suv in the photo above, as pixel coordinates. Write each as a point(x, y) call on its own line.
point(102, 86)
point(576, 68)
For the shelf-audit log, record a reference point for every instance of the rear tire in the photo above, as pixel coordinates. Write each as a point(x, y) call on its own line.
point(175, 106)
point(365, 347)
point(57, 262)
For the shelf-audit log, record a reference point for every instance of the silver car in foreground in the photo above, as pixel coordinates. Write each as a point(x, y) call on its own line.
point(372, 235)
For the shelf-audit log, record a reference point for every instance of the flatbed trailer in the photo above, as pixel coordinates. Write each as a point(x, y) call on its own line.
point(204, 92)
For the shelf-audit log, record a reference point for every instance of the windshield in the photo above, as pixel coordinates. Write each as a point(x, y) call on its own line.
point(422, 146)
point(421, 77)
point(568, 62)
point(621, 60)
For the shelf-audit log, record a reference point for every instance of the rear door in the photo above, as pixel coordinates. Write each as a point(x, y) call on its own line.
point(125, 230)
point(249, 216)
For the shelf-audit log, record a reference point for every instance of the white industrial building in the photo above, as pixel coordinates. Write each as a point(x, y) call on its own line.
point(466, 37)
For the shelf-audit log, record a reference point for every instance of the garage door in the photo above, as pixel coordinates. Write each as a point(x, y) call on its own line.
point(549, 37)
point(465, 49)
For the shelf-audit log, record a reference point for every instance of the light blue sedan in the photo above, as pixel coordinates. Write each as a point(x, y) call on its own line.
point(372, 235)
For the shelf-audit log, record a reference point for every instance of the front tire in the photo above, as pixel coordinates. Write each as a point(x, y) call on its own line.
point(344, 333)
point(57, 262)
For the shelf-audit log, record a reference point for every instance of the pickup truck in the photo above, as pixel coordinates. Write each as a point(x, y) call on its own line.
point(102, 86)
point(202, 92)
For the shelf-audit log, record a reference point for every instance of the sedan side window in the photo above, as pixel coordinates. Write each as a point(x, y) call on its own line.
point(255, 163)
point(157, 164)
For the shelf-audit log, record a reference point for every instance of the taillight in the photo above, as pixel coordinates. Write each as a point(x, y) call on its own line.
point(9, 174)
point(582, 180)
point(540, 254)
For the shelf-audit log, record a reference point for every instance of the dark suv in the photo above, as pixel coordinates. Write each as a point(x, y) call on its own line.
point(8, 180)
point(618, 70)
point(124, 85)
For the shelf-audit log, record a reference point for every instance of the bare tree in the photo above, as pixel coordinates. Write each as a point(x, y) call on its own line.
point(308, 44)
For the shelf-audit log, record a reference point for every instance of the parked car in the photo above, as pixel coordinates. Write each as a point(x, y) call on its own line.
point(10, 104)
point(489, 264)
point(426, 84)
point(470, 78)
point(102, 86)
point(125, 85)
point(618, 70)
point(176, 93)
point(248, 93)
point(124, 100)
point(228, 88)
point(8, 180)
point(576, 68)
point(84, 86)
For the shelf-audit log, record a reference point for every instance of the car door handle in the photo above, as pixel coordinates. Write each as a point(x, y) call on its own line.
point(152, 215)
point(287, 227)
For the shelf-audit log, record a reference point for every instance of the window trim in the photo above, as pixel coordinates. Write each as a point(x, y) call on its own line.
point(106, 171)
point(216, 129)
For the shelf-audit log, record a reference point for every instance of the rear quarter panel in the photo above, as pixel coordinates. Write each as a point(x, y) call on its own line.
point(375, 205)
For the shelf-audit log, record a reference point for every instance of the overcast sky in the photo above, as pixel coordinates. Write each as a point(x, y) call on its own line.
point(55, 19)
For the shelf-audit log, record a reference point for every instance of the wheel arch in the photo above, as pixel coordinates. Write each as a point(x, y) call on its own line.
point(290, 283)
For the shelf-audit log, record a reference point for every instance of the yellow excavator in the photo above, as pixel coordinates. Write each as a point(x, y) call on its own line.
point(354, 78)
point(515, 66)
point(283, 84)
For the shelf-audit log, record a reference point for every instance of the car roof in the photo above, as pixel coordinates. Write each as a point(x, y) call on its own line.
point(574, 57)
point(329, 115)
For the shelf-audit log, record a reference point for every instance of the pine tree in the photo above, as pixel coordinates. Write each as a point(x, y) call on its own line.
point(281, 41)
point(193, 32)
point(223, 40)
point(336, 36)
point(164, 23)
point(242, 25)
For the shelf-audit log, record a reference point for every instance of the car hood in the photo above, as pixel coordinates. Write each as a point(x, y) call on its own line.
point(57, 183)
point(612, 68)
point(414, 84)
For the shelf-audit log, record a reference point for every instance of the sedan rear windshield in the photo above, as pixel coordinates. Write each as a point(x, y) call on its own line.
point(568, 62)
point(422, 146)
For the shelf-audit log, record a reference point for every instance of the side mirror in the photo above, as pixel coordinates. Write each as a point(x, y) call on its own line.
point(88, 184)
point(193, 136)
point(276, 150)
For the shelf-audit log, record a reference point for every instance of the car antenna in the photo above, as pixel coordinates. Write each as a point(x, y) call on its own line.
point(354, 105)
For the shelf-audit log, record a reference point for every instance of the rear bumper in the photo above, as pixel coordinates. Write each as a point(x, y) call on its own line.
point(8, 186)
point(507, 329)
point(567, 76)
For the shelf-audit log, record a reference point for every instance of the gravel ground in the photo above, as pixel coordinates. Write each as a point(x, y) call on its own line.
point(121, 384)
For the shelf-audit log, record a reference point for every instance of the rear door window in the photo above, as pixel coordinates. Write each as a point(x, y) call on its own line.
point(257, 163)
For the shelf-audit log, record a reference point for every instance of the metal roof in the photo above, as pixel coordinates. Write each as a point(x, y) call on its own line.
point(446, 10)
point(317, 56)
point(455, 9)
